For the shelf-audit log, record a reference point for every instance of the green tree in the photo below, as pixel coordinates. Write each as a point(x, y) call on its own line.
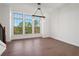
point(28, 24)
point(20, 24)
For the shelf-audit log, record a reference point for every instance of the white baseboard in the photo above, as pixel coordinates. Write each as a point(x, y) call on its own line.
point(60, 39)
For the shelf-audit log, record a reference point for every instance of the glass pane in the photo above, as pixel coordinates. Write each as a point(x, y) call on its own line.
point(37, 25)
point(18, 15)
point(28, 24)
point(18, 24)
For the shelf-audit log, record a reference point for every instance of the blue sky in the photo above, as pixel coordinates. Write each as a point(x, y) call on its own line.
point(20, 15)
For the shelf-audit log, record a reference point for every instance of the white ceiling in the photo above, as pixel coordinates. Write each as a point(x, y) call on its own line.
point(43, 5)
point(46, 7)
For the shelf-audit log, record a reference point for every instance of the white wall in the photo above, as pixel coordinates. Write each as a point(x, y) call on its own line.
point(4, 19)
point(65, 24)
point(1, 14)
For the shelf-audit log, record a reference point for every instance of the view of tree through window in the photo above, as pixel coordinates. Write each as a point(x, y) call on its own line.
point(18, 23)
point(28, 24)
point(23, 23)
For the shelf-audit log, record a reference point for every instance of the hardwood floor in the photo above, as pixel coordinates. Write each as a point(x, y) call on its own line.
point(40, 47)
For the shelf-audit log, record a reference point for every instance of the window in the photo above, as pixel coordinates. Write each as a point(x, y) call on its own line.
point(18, 23)
point(28, 24)
point(23, 24)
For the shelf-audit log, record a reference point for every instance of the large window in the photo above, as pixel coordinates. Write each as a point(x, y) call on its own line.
point(23, 23)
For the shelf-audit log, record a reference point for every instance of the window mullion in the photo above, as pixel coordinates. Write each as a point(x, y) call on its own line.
point(32, 25)
point(23, 25)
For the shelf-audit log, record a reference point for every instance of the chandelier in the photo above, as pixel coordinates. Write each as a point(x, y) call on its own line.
point(38, 9)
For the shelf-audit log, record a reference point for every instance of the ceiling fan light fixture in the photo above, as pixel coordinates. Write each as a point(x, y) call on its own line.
point(38, 16)
point(37, 11)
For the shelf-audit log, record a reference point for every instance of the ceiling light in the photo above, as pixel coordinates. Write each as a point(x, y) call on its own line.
point(38, 9)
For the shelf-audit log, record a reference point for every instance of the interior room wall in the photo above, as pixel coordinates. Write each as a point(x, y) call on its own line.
point(65, 24)
point(4, 19)
point(1, 14)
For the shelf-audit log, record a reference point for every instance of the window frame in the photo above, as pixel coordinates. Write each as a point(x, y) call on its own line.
point(23, 31)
